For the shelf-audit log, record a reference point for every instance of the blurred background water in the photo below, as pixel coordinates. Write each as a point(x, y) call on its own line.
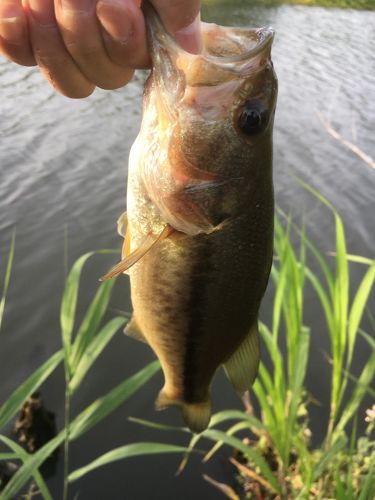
point(63, 167)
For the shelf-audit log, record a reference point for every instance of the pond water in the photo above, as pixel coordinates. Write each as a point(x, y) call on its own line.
point(63, 171)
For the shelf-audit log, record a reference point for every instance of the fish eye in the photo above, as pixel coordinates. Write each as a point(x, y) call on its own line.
point(253, 118)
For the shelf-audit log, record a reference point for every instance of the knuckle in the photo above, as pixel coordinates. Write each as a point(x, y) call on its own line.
point(83, 50)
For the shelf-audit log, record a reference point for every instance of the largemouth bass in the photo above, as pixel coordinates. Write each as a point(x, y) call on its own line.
point(198, 232)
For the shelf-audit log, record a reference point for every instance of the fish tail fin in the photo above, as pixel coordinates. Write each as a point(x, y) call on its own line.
point(242, 367)
point(196, 415)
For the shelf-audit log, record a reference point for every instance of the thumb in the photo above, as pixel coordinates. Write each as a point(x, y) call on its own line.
point(182, 19)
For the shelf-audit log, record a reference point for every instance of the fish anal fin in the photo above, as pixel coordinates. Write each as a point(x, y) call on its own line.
point(134, 331)
point(127, 262)
point(242, 367)
point(196, 415)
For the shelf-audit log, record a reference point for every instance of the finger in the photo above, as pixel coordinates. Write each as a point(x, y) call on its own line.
point(49, 51)
point(82, 37)
point(14, 36)
point(181, 18)
point(124, 32)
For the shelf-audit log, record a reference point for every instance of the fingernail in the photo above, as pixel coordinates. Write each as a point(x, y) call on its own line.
point(190, 37)
point(11, 25)
point(115, 19)
point(42, 11)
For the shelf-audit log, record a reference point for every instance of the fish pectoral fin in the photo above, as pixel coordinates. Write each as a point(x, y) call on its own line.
point(196, 415)
point(122, 224)
point(242, 367)
point(128, 261)
point(201, 206)
point(134, 331)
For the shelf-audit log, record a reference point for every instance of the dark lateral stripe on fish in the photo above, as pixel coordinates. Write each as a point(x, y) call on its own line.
point(200, 275)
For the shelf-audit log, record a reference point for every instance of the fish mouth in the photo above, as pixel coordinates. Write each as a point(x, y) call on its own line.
point(240, 44)
point(227, 53)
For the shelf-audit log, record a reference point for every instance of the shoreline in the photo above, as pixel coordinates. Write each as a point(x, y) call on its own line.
point(339, 4)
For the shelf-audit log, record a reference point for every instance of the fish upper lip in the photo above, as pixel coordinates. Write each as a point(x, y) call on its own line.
point(266, 35)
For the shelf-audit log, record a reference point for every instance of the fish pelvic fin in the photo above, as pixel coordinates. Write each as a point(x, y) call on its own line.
point(122, 224)
point(129, 260)
point(196, 415)
point(133, 330)
point(242, 367)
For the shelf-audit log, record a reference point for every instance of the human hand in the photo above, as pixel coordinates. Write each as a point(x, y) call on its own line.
point(83, 44)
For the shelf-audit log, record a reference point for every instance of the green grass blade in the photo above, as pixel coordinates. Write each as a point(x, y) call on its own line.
point(341, 306)
point(360, 260)
point(298, 379)
point(69, 304)
point(156, 425)
point(23, 455)
point(281, 282)
point(315, 193)
point(226, 415)
point(30, 466)
point(267, 410)
point(250, 453)
point(368, 390)
point(240, 426)
point(193, 441)
point(91, 321)
point(127, 451)
point(275, 387)
point(8, 273)
point(9, 456)
point(93, 350)
point(300, 367)
point(324, 299)
point(108, 403)
point(357, 309)
point(16, 400)
point(318, 256)
point(370, 340)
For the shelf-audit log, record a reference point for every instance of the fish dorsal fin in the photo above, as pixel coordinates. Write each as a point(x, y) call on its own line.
point(122, 224)
point(242, 367)
point(128, 261)
point(134, 331)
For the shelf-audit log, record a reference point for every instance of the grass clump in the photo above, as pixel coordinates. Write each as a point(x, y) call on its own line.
point(276, 455)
